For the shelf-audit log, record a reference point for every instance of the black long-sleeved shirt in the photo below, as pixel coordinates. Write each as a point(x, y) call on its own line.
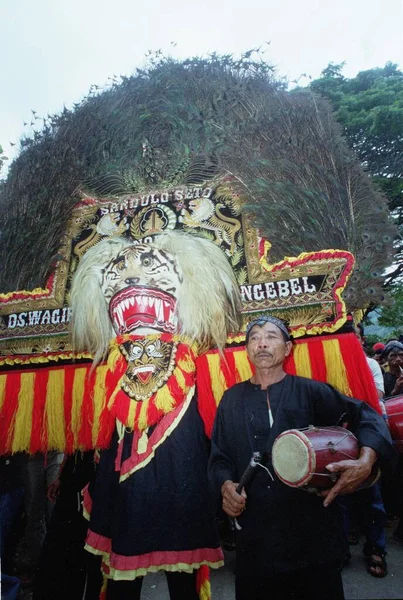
point(284, 528)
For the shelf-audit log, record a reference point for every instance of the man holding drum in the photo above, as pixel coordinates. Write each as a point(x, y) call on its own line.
point(290, 543)
point(393, 354)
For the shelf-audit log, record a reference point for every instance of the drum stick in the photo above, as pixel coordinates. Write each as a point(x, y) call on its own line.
point(254, 462)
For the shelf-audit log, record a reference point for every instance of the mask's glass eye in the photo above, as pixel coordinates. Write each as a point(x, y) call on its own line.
point(146, 261)
point(135, 352)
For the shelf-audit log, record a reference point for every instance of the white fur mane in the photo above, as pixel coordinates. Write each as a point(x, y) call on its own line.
point(208, 305)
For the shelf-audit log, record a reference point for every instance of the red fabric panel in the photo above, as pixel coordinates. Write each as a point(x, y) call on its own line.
point(38, 431)
point(318, 363)
point(359, 374)
point(289, 365)
point(227, 363)
point(203, 575)
point(205, 399)
point(150, 559)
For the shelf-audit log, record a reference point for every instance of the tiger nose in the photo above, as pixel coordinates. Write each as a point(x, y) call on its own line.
point(132, 280)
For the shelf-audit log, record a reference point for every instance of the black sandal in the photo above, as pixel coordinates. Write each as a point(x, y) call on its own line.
point(376, 561)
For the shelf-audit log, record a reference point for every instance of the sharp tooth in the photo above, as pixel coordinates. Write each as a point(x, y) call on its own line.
point(158, 310)
point(131, 300)
point(119, 313)
point(152, 300)
point(167, 311)
point(126, 304)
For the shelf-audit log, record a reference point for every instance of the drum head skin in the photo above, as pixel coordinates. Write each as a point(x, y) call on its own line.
point(300, 456)
point(293, 456)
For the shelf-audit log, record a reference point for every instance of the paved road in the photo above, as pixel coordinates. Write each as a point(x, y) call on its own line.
point(358, 584)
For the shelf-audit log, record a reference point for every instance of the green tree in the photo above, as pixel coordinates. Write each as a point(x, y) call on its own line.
point(370, 108)
point(3, 158)
point(392, 316)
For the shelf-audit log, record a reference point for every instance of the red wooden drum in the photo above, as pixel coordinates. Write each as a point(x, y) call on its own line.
point(394, 411)
point(300, 456)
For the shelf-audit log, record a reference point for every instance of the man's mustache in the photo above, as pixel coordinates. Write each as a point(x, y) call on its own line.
point(263, 353)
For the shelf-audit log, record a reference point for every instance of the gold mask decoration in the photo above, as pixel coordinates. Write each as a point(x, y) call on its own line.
point(150, 364)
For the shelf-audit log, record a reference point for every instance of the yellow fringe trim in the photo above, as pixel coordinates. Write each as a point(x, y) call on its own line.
point(3, 381)
point(335, 367)
point(34, 292)
point(54, 410)
point(164, 399)
point(180, 378)
point(132, 411)
point(205, 591)
point(182, 567)
point(99, 400)
point(143, 423)
point(115, 392)
point(78, 394)
point(42, 358)
point(186, 364)
point(104, 585)
point(239, 338)
point(242, 365)
point(114, 356)
point(302, 360)
point(218, 383)
point(23, 417)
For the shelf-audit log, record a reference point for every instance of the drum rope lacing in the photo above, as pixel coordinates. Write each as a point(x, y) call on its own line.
point(328, 447)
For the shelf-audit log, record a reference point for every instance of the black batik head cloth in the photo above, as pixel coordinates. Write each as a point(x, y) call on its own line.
point(392, 346)
point(282, 325)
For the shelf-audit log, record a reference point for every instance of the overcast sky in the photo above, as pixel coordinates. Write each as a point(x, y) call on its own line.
point(52, 51)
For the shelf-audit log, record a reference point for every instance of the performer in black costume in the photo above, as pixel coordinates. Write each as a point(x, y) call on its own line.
point(291, 543)
point(157, 307)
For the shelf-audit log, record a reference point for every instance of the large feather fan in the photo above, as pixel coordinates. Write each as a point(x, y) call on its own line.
point(185, 122)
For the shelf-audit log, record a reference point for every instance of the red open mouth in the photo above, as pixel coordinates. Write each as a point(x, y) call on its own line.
point(137, 306)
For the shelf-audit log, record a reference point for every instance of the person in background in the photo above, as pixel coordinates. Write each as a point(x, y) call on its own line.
point(393, 354)
point(378, 349)
point(365, 510)
point(65, 569)
point(393, 379)
point(11, 495)
point(372, 363)
point(38, 472)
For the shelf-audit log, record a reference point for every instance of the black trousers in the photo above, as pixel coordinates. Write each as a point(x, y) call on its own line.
point(182, 586)
point(316, 583)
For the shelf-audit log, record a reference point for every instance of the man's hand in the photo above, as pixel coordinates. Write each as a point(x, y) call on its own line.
point(53, 490)
point(398, 386)
point(353, 473)
point(232, 502)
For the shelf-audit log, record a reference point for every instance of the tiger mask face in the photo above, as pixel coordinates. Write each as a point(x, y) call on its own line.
point(140, 285)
